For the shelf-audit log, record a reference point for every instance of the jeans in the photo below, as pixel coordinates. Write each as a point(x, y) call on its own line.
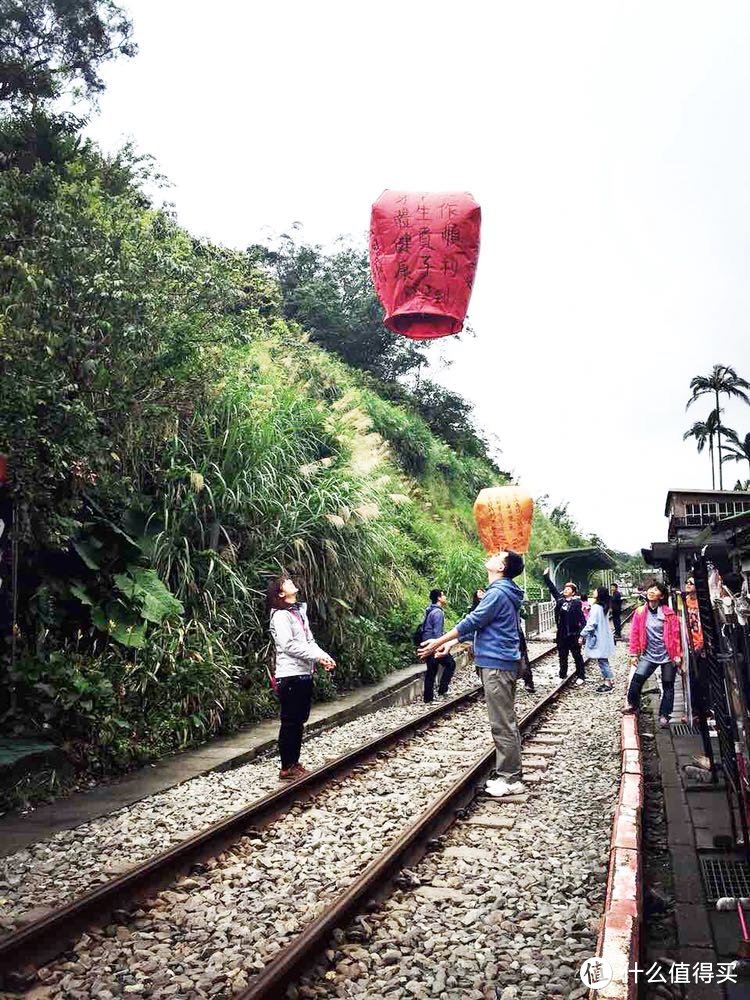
point(606, 669)
point(295, 695)
point(569, 644)
point(500, 696)
point(430, 675)
point(642, 673)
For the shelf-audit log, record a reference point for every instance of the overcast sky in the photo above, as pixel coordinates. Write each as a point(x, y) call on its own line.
point(607, 143)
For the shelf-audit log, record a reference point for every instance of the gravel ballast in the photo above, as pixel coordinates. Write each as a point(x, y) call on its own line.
point(496, 912)
point(71, 862)
point(209, 933)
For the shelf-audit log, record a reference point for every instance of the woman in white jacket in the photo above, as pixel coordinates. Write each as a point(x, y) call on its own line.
point(597, 640)
point(297, 655)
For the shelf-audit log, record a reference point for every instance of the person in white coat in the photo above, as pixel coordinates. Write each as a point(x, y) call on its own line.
point(297, 655)
point(597, 640)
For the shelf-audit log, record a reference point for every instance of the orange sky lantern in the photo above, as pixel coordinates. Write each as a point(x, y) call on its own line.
point(423, 256)
point(503, 515)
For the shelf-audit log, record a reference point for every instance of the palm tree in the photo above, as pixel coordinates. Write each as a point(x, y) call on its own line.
point(703, 431)
point(737, 450)
point(722, 379)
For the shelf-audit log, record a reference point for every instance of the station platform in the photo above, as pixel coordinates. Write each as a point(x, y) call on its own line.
point(689, 862)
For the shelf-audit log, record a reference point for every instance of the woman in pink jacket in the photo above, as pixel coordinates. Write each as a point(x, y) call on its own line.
point(655, 642)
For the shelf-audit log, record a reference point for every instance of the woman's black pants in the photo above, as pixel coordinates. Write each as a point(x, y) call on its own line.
point(295, 695)
point(567, 644)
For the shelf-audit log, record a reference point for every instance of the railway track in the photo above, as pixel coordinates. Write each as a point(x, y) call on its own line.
point(376, 880)
point(30, 947)
point(374, 883)
point(25, 951)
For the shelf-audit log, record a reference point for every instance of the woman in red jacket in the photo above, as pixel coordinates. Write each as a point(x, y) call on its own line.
point(655, 641)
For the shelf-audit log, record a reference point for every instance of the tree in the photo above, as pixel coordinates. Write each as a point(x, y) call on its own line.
point(722, 380)
point(704, 431)
point(331, 296)
point(48, 45)
point(561, 518)
point(450, 416)
point(737, 450)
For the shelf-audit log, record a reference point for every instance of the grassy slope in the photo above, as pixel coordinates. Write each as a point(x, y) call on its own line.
point(417, 483)
point(180, 427)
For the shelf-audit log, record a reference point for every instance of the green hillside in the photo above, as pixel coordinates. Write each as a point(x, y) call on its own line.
point(173, 440)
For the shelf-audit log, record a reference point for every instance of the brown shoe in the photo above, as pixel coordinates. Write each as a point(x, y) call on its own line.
point(300, 770)
point(289, 773)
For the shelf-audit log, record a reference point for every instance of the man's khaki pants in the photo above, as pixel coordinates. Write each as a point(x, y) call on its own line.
point(500, 695)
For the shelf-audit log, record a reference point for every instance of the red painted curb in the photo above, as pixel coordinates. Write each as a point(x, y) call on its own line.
point(626, 830)
point(631, 761)
point(631, 791)
point(619, 938)
point(630, 737)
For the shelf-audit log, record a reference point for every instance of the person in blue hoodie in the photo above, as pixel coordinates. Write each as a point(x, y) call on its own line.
point(494, 626)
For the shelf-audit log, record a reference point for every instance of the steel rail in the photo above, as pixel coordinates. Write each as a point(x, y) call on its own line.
point(289, 963)
point(28, 948)
point(410, 847)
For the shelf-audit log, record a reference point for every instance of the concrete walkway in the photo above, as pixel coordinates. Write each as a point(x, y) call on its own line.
point(220, 754)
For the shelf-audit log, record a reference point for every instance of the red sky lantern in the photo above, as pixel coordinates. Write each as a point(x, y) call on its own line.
point(423, 257)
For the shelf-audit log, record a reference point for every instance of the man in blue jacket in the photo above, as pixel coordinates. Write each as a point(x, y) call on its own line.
point(433, 626)
point(494, 625)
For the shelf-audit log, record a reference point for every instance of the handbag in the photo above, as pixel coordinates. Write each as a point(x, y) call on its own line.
point(272, 681)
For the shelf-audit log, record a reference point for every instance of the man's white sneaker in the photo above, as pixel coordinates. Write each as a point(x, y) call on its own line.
point(579, 682)
point(500, 788)
point(497, 787)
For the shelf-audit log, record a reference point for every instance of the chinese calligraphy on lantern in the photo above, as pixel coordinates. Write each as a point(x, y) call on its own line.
point(423, 254)
point(503, 516)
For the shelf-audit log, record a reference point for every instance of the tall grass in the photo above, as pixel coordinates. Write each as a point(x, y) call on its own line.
point(257, 483)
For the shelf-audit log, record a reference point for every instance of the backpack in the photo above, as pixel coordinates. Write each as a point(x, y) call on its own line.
point(418, 637)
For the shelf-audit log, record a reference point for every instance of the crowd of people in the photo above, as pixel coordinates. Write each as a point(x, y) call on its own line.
point(493, 627)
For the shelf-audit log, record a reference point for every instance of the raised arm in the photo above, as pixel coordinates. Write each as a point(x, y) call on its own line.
point(556, 595)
